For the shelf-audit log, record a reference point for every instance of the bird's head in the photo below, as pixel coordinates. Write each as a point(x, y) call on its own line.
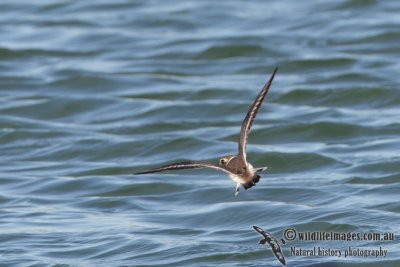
point(225, 160)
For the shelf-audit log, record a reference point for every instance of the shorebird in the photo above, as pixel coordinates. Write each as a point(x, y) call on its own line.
point(236, 166)
point(273, 242)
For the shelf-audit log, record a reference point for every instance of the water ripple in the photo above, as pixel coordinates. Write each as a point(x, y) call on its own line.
point(92, 92)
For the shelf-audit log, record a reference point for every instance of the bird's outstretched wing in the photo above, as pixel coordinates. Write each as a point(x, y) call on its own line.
point(274, 243)
point(184, 166)
point(251, 115)
point(262, 232)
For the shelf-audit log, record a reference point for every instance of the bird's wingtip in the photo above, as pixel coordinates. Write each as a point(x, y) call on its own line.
point(275, 70)
point(142, 172)
point(273, 74)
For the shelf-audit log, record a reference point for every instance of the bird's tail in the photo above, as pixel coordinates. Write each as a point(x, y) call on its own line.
point(252, 183)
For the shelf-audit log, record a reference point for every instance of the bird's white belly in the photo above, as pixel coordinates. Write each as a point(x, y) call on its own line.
point(238, 179)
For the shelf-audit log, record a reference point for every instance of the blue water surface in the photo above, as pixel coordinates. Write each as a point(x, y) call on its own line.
point(94, 91)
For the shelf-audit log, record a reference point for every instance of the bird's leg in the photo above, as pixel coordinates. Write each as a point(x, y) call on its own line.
point(237, 189)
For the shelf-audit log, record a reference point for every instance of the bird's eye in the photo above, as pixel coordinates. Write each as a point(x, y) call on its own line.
point(222, 161)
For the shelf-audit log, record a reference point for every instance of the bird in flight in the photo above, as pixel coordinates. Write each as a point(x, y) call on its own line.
point(273, 242)
point(236, 166)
